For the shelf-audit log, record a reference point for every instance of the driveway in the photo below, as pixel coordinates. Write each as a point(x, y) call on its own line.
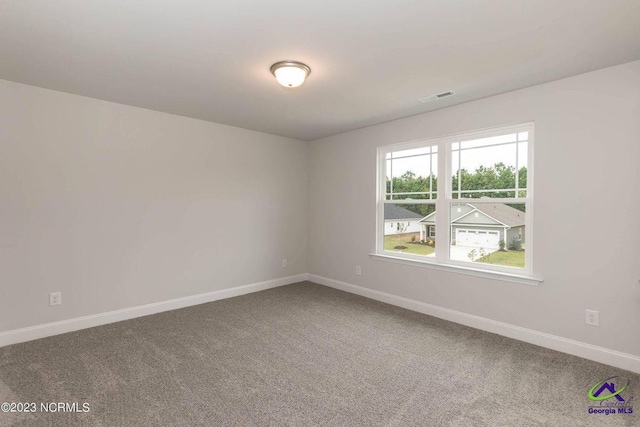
point(461, 253)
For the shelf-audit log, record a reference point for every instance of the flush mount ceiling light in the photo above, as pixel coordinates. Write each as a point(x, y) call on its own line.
point(290, 73)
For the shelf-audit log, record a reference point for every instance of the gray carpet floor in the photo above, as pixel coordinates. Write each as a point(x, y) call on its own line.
point(300, 355)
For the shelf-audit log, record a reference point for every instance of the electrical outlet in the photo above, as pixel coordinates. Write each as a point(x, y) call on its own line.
point(592, 318)
point(358, 270)
point(55, 298)
point(284, 263)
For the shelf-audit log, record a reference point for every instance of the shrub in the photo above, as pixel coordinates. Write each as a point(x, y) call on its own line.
point(479, 255)
point(502, 244)
point(516, 245)
point(413, 239)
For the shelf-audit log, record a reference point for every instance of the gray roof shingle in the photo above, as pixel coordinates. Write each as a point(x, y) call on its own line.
point(396, 212)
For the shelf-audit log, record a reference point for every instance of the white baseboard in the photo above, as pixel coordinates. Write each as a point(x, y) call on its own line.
point(49, 329)
point(576, 348)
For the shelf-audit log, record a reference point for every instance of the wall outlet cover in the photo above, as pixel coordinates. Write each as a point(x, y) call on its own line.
point(592, 317)
point(55, 298)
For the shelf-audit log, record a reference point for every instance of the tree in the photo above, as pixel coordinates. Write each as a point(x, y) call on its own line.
point(496, 177)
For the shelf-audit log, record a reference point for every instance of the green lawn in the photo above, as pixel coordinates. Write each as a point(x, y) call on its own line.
point(509, 259)
point(390, 242)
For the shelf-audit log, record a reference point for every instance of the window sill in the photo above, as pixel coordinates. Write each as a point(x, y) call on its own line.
point(496, 275)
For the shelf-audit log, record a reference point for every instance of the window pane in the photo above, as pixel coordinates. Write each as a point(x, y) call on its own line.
point(411, 174)
point(410, 228)
point(482, 169)
point(523, 152)
point(489, 233)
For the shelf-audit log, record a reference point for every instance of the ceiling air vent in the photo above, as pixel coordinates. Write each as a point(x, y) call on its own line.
point(430, 98)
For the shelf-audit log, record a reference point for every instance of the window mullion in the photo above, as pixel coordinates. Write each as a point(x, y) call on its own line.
point(382, 196)
point(390, 176)
point(444, 174)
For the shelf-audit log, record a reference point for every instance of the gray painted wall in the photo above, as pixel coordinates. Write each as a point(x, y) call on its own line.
point(585, 125)
point(118, 206)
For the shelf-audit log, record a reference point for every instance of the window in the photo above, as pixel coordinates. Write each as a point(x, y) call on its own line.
point(473, 190)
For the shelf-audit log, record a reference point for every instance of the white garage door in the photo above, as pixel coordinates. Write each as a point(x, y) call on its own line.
point(478, 238)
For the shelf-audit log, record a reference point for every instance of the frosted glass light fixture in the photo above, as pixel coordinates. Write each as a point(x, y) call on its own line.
point(290, 73)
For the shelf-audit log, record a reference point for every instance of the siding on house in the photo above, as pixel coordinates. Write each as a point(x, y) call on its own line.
point(483, 216)
point(410, 226)
point(515, 232)
point(394, 215)
point(476, 218)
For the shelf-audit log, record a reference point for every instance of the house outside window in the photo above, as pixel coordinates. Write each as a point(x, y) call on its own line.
point(473, 190)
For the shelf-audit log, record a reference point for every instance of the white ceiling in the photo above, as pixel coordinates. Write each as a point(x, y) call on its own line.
point(371, 59)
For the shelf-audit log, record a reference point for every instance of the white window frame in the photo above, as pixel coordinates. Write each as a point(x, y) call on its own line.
point(443, 203)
